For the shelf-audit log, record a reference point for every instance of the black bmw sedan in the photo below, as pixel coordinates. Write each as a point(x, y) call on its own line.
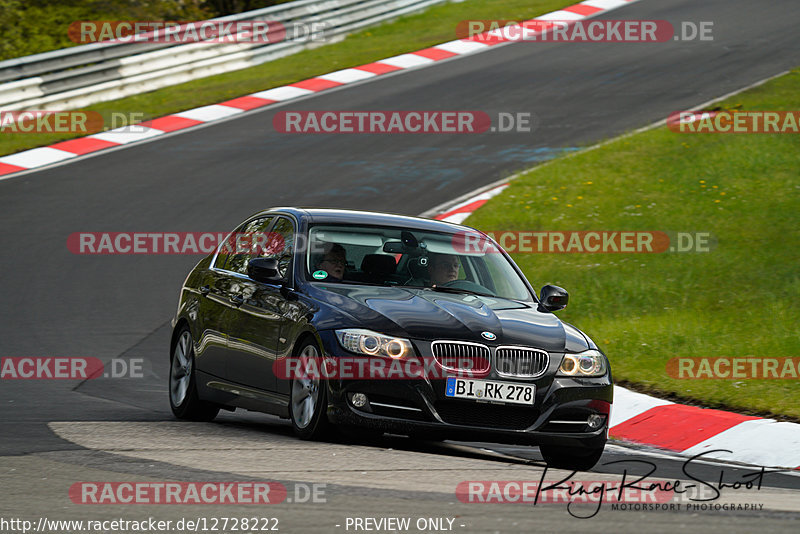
point(385, 323)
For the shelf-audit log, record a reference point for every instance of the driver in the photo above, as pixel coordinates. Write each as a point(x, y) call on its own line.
point(443, 268)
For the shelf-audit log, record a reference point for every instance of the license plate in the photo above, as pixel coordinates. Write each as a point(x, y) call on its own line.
point(487, 390)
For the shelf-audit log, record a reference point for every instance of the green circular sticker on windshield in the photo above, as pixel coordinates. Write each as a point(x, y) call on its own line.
point(319, 275)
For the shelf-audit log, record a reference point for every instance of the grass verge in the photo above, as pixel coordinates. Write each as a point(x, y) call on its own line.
point(738, 300)
point(433, 26)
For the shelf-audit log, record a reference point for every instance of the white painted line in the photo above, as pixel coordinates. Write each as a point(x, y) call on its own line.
point(605, 4)
point(628, 404)
point(282, 93)
point(561, 15)
point(128, 134)
point(510, 30)
point(446, 207)
point(462, 47)
point(406, 61)
point(456, 218)
point(649, 450)
point(760, 441)
point(347, 75)
point(37, 157)
point(486, 195)
point(209, 113)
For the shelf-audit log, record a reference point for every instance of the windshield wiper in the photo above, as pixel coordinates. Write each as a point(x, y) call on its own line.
point(359, 283)
point(445, 289)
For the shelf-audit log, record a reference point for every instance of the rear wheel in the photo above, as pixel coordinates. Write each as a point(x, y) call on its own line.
point(183, 397)
point(308, 399)
point(571, 458)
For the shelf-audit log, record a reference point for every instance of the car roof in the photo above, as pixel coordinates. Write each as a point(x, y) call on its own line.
point(341, 216)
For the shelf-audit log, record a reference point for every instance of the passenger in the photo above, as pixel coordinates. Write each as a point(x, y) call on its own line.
point(334, 261)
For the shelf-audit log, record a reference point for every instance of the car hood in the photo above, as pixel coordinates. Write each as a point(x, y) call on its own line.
point(430, 315)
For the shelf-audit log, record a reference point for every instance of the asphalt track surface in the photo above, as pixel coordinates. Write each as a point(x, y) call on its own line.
point(55, 303)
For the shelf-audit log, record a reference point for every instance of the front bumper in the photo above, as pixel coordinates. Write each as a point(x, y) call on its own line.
point(419, 407)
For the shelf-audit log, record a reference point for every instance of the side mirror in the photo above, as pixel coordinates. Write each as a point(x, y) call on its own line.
point(553, 298)
point(264, 270)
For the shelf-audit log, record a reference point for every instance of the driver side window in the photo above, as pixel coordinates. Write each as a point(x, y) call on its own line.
point(245, 244)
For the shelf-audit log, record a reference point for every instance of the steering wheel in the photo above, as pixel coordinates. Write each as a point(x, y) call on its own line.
point(466, 285)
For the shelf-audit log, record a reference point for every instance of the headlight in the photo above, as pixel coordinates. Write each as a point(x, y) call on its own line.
point(373, 344)
point(588, 363)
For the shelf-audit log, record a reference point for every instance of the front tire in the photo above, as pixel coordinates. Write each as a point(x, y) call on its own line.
point(308, 400)
point(183, 398)
point(571, 458)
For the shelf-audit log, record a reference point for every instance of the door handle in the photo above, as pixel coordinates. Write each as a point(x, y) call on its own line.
point(237, 300)
point(205, 290)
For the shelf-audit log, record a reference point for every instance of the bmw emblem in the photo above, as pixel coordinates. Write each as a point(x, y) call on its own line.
point(488, 336)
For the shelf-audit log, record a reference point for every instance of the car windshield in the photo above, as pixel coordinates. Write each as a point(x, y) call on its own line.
point(463, 262)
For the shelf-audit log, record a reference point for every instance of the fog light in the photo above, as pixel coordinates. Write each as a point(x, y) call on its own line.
point(595, 421)
point(359, 400)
